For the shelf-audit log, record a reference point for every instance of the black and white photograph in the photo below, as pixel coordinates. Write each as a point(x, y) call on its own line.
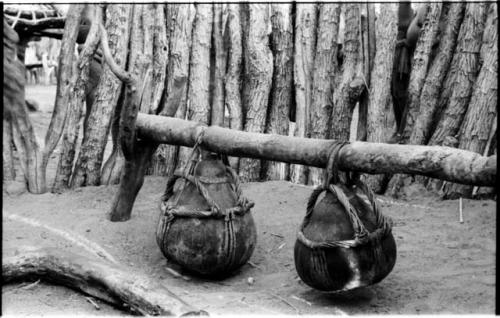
point(249, 158)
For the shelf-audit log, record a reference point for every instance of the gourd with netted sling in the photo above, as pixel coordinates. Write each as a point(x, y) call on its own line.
point(344, 241)
point(206, 225)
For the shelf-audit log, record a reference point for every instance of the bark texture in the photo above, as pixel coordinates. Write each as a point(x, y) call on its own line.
point(9, 172)
point(380, 118)
point(325, 66)
point(146, 26)
point(88, 165)
point(234, 67)
point(436, 75)
point(282, 83)
point(65, 84)
point(446, 163)
point(76, 105)
point(303, 65)
point(33, 159)
point(258, 74)
point(351, 84)
point(482, 112)
point(459, 82)
point(180, 19)
point(368, 41)
point(232, 85)
point(419, 68)
point(199, 72)
point(110, 283)
point(219, 17)
point(463, 73)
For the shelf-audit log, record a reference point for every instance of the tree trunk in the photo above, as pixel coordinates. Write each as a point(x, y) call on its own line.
point(257, 85)
point(490, 150)
point(351, 84)
point(113, 284)
point(65, 84)
point(199, 72)
point(417, 78)
point(159, 71)
point(233, 75)
point(180, 19)
point(75, 106)
point(217, 117)
point(303, 66)
point(419, 68)
point(88, 165)
point(380, 117)
point(461, 77)
point(402, 66)
point(141, 65)
point(325, 66)
point(282, 82)
point(368, 40)
point(465, 66)
point(436, 75)
point(160, 58)
point(441, 162)
point(482, 111)
point(33, 159)
point(9, 172)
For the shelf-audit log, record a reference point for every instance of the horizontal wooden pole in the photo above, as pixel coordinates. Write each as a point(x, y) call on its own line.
point(450, 164)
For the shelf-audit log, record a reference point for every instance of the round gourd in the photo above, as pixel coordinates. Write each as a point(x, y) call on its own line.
point(328, 255)
point(202, 240)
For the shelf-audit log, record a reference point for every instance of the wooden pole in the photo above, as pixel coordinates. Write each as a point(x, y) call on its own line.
point(444, 163)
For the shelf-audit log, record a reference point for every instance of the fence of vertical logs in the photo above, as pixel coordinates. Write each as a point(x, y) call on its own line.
point(286, 81)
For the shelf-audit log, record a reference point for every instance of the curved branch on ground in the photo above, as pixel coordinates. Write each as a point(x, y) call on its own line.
point(111, 283)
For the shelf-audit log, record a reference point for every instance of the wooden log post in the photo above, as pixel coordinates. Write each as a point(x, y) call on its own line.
point(456, 165)
point(88, 165)
point(258, 72)
point(75, 106)
point(380, 117)
point(480, 119)
point(303, 67)
point(436, 75)
point(110, 283)
point(199, 73)
point(368, 45)
point(282, 83)
point(420, 64)
point(217, 112)
point(232, 80)
point(445, 163)
point(180, 21)
point(325, 66)
point(351, 84)
point(459, 83)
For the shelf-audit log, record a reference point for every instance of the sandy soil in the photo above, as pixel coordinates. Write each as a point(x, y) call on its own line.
point(443, 266)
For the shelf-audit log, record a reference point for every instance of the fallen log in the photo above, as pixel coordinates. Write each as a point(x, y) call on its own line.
point(110, 283)
point(450, 164)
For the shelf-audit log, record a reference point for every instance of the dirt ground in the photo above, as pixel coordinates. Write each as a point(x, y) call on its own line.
point(443, 266)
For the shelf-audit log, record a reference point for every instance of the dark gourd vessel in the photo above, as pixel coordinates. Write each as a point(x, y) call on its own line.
point(344, 241)
point(206, 225)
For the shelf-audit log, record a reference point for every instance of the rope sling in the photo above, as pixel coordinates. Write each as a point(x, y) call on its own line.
point(232, 216)
point(337, 263)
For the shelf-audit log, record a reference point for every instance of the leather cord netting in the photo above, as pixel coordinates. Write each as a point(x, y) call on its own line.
point(170, 210)
point(48, 13)
point(331, 183)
